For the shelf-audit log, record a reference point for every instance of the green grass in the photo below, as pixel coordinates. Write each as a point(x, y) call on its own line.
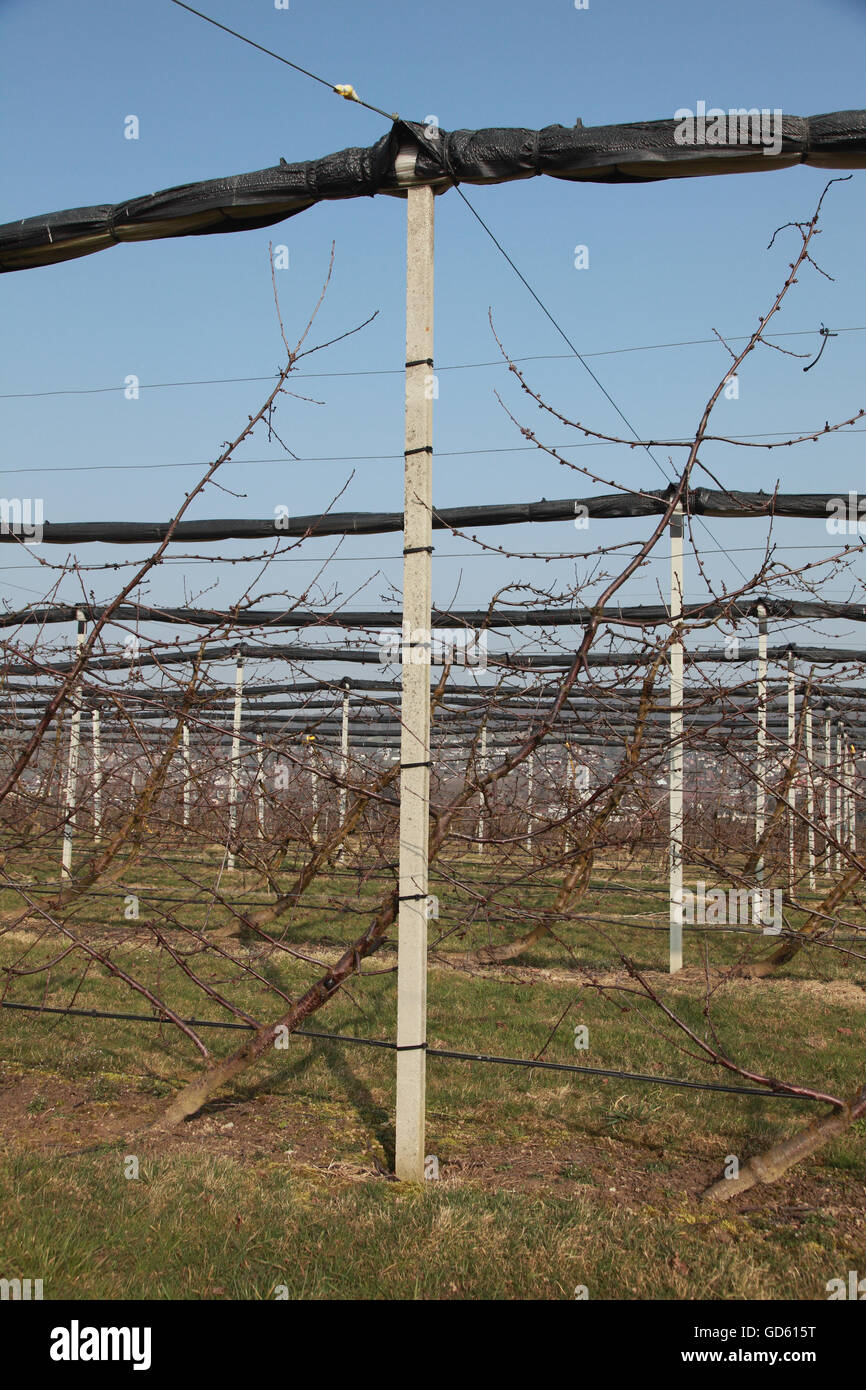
point(624, 911)
point(548, 1180)
point(204, 1228)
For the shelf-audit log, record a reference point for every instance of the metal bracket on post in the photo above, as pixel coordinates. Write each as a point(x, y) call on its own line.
point(415, 698)
point(675, 751)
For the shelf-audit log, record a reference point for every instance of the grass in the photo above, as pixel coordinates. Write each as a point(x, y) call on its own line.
point(259, 1230)
point(547, 1180)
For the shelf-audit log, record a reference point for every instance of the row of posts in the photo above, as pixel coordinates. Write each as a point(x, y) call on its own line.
point(839, 819)
point(70, 795)
point(415, 702)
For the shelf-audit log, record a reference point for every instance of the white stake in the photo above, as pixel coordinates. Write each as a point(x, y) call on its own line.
point(530, 779)
point(234, 768)
point(344, 765)
point(314, 795)
point(72, 763)
point(260, 785)
point(675, 751)
point(840, 799)
point(415, 703)
point(761, 758)
point(828, 763)
point(96, 773)
point(810, 799)
point(482, 768)
point(852, 773)
point(792, 791)
point(187, 774)
point(846, 785)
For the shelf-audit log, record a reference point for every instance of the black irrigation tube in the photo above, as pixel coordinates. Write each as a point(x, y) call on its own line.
point(521, 1062)
point(208, 896)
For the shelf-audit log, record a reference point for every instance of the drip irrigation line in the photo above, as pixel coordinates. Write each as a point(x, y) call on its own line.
point(447, 1053)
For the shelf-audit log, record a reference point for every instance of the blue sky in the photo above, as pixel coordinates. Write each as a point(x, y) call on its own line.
point(669, 262)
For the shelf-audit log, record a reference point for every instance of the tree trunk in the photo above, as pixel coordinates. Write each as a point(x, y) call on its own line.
point(814, 923)
point(774, 1162)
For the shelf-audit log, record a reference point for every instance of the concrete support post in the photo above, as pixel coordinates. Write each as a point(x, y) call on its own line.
point(675, 751)
point(344, 765)
point(840, 797)
point(828, 763)
point(186, 774)
point(415, 701)
point(96, 772)
point(481, 828)
point(314, 796)
point(761, 751)
point(71, 795)
point(259, 786)
point(792, 789)
point(810, 800)
point(235, 765)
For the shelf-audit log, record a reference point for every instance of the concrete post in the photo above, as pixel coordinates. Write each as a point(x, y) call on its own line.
point(675, 751)
point(72, 763)
point(415, 701)
point(234, 767)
